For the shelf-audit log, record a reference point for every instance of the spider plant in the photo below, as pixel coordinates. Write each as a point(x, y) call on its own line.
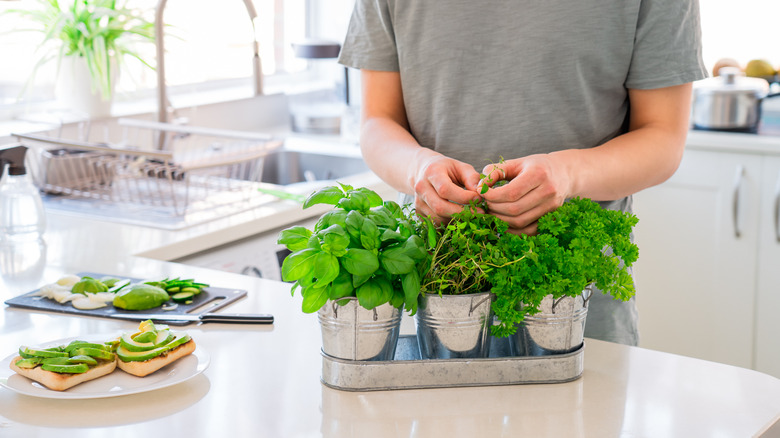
point(99, 31)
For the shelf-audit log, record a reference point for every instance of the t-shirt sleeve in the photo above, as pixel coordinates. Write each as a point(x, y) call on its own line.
point(370, 40)
point(667, 45)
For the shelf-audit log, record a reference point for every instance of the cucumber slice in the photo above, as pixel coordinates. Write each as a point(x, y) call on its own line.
point(182, 296)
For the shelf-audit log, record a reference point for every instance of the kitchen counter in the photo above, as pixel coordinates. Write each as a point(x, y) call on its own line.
point(264, 380)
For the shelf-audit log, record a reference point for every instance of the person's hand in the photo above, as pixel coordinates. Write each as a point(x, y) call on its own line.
point(537, 184)
point(442, 186)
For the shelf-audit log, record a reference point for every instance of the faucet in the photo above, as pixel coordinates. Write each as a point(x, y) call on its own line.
point(163, 105)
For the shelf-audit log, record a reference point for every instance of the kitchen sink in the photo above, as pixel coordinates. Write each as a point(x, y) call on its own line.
point(286, 167)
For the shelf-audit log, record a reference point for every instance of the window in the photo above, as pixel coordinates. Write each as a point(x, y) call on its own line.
point(208, 43)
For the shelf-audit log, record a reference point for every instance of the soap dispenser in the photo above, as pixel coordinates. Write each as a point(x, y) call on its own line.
point(22, 217)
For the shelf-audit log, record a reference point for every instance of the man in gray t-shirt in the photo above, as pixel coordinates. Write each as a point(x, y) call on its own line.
point(582, 98)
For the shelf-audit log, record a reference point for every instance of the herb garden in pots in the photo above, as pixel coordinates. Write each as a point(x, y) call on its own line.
point(469, 282)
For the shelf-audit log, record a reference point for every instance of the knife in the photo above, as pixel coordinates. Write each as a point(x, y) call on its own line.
point(231, 318)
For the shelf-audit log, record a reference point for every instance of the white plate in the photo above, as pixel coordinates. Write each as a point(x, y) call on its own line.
point(116, 384)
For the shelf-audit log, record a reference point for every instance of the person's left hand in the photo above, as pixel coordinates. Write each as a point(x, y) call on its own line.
point(537, 184)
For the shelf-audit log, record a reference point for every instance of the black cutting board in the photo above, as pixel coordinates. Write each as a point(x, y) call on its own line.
point(210, 299)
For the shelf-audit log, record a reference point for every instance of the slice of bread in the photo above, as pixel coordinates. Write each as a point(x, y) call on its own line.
point(63, 381)
point(146, 367)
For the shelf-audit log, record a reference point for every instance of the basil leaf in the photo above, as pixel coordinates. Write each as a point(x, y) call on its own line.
point(369, 235)
point(334, 240)
point(360, 261)
point(355, 201)
point(395, 261)
point(414, 247)
point(390, 235)
point(354, 223)
point(411, 287)
point(314, 298)
point(383, 218)
point(298, 264)
point(374, 292)
point(374, 200)
point(327, 195)
point(330, 218)
point(341, 286)
point(394, 209)
point(326, 267)
point(294, 238)
point(398, 298)
point(358, 280)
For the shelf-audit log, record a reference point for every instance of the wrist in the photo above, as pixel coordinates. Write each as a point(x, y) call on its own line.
point(421, 159)
point(569, 165)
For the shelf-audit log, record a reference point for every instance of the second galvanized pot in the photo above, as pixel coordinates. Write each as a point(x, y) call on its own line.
point(454, 326)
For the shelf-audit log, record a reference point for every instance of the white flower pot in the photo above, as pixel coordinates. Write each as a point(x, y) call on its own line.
point(75, 92)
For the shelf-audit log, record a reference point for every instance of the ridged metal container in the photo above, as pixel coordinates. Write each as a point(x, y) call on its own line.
point(454, 326)
point(558, 328)
point(407, 370)
point(354, 333)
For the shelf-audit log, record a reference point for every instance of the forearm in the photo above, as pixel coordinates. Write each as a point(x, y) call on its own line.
point(392, 152)
point(625, 165)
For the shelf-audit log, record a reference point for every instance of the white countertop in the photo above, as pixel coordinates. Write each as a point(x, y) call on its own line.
point(264, 381)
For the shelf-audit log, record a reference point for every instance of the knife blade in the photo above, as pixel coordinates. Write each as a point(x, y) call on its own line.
point(231, 318)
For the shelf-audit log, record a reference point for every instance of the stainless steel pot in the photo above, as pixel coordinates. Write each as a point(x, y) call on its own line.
point(729, 102)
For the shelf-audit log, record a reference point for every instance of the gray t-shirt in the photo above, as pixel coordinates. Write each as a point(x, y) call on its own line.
point(483, 79)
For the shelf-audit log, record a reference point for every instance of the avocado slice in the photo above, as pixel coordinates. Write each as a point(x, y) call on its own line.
point(140, 356)
point(29, 363)
point(97, 353)
point(130, 343)
point(145, 337)
point(83, 344)
point(27, 352)
point(70, 369)
point(89, 360)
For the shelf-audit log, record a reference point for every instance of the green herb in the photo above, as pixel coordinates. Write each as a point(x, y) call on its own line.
point(578, 244)
point(96, 30)
point(365, 248)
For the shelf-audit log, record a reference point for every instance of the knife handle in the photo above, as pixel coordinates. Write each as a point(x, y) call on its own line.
point(238, 318)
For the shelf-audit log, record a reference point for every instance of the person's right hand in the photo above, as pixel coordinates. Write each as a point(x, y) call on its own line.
point(442, 186)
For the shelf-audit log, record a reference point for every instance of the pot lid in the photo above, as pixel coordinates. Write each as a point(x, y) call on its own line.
point(732, 81)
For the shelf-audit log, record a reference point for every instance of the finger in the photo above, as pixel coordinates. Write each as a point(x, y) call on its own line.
point(439, 207)
point(446, 189)
point(526, 218)
point(531, 230)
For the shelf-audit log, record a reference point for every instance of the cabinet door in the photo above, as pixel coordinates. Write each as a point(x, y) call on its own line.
point(696, 273)
point(767, 354)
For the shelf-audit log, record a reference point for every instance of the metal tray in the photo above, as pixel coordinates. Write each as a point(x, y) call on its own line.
point(209, 300)
point(408, 371)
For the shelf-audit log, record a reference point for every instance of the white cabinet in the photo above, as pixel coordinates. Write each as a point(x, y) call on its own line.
point(708, 274)
point(767, 354)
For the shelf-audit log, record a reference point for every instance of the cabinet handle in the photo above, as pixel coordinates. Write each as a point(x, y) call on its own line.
point(735, 207)
point(777, 209)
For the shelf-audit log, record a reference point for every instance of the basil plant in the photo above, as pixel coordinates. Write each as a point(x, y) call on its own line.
point(365, 248)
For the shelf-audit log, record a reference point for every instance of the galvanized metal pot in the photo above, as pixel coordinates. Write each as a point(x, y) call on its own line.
point(454, 326)
point(558, 328)
point(354, 333)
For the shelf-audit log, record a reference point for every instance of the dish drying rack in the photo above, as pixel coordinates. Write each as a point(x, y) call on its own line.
point(195, 170)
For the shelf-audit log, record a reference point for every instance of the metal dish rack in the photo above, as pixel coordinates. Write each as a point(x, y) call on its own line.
point(197, 169)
